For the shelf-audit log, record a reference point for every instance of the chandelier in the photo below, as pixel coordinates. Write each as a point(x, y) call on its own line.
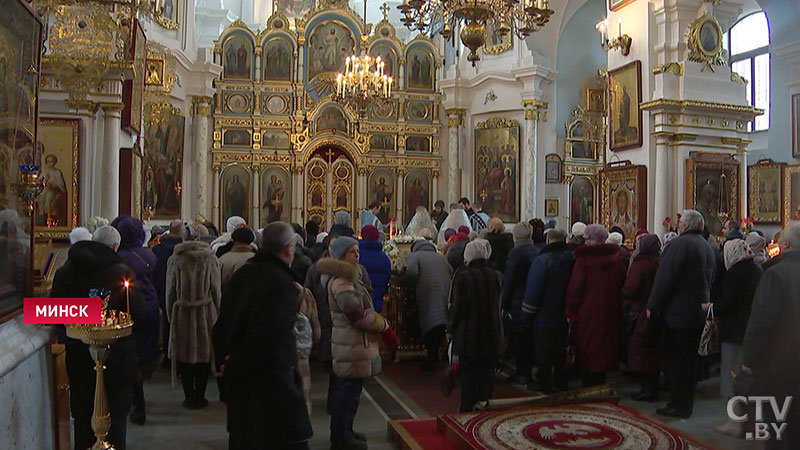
point(521, 17)
point(363, 82)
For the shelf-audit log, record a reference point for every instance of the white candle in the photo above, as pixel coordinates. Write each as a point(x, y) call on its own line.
point(619, 26)
point(127, 296)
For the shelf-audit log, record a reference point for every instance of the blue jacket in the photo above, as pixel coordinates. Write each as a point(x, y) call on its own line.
point(518, 264)
point(378, 267)
point(546, 288)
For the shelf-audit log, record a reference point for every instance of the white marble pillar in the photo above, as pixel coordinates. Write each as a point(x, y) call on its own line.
point(84, 163)
point(254, 200)
point(259, 63)
point(399, 190)
point(435, 188)
point(528, 173)
point(455, 119)
point(663, 194)
point(109, 201)
point(202, 112)
point(215, 199)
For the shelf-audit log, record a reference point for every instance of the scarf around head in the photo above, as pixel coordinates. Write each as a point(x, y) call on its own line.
point(736, 251)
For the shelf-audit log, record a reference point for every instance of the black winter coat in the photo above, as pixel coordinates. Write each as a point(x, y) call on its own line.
point(92, 265)
point(474, 315)
point(546, 287)
point(501, 243)
point(455, 254)
point(732, 309)
point(684, 280)
point(163, 251)
point(261, 384)
point(514, 280)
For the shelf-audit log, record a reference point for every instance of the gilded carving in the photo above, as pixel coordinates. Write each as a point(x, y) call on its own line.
point(674, 68)
point(497, 122)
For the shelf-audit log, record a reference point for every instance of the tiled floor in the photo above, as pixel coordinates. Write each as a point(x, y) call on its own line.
point(169, 425)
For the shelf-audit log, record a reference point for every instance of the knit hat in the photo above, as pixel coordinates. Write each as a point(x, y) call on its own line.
point(157, 230)
point(369, 233)
point(522, 232)
point(339, 246)
point(594, 232)
point(578, 229)
point(463, 229)
point(448, 233)
point(735, 251)
point(244, 235)
point(234, 222)
point(614, 238)
point(321, 237)
point(341, 218)
point(477, 249)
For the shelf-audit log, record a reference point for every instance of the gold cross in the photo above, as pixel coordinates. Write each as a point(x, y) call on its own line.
point(385, 10)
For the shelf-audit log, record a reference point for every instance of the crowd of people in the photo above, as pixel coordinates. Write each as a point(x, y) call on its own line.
point(255, 308)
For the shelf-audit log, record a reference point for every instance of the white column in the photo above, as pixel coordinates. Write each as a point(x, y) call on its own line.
point(85, 165)
point(254, 200)
point(202, 111)
point(361, 192)
point(663, 194)
point(528, 173)
point(215, 199)
point(399, 191)
point(455, 119)
point(109, 206)
point(435, 189)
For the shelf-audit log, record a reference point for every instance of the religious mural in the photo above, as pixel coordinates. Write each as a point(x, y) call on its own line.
point(765, 189)
point(420, 68)
point(277, 60)
point(625, 86)
point(295, 8)
point(20, 36)
point(57, 205)
point(381, 142)
point(331, 118)
point(276, 195)
point(497, 167)
point(163, 168)
point(237, 57)
point(417, 193)
point(623, 198)
point(328, 47)
point(388, 57)
point(381, 188)
point(418, 143)
point(240, 138)
point(712, 188)
point(581, 194)
point(235, 187)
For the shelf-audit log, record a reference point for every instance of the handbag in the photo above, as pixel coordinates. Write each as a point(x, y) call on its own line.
point(709, 340)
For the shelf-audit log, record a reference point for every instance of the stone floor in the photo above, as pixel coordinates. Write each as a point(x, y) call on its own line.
point(169, 425)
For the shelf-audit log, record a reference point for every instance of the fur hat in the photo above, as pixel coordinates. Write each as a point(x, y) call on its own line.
point(614, 238)
point(341, 218)
point(477, 249)
point(369, 233)
point(578, 228)
point(463, 229)
point(595, 232)
point(522, 231)
point(339, 246)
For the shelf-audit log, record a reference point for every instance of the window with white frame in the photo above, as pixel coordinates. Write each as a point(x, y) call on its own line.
point(747, 43)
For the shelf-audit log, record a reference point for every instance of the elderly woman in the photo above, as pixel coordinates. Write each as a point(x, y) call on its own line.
point(454, 249)
point(420, 222)
point(758, 244)
point(354, 343)
point(592, 305)
point(379, 268)
point(455, 220)
point(474, 323)
point(732, 309)
point(501, 242)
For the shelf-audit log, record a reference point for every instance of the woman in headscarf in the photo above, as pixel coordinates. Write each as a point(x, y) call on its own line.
point(732, 309)
point(758, 245)
point(421, 221)
point(501, 242)
point(474, 322)
point(454, 249)
point(643, 354)
point(457, 218)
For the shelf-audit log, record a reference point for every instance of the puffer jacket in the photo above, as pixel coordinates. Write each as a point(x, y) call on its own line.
point(354, 338)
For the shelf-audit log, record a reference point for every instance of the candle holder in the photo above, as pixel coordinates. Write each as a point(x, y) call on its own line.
point(622, 41)
point(29, 185)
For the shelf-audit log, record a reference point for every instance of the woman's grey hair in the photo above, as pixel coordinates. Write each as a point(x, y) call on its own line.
point(195, 231)
point(791, 234)
point(107, 235)
point(692, 220)
point(277, 235)
point(79, 234)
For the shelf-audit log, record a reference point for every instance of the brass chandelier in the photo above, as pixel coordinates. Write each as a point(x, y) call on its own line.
point(363, 82)
point(508, 16)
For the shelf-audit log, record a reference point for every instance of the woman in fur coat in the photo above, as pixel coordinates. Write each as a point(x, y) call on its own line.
point(193, 300)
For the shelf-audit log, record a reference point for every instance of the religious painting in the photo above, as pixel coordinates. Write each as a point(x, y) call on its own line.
point(329, 44)
point(419, 111)
point(316, 184)
point(277, 104)
point(791, 195)
point(236, 138)
point(551, 207)
point(595, 100)
point(163, 168)
point(237, 103)
point(331, 118)
point(133, 90)
point(383, 142)
point(552, 169)
point(581, 199)
point(342, 188)
point(166, 13)
point(235, 192)
point(497, 167)
point(795, 126)
point(578, 144)
point(420, 68)
point(765, 191)
point(274, 140)
point(417, 193)
point(20, 52)
point(625, 124)
point(616, 5)
point(383, 110)
point(495, 42)
point(388, 58)
point(713, 188)
point(623, 198)
point(154, 72)
point(277, 57)
point(418, 143)
point(276, 195)
point(295, 8)
point(57, 205)
point(381, 188)
point(237, 57)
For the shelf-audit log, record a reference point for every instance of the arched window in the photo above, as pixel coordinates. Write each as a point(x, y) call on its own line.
point(748, 46)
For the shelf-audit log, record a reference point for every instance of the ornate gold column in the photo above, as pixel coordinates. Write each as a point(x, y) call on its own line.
point(298, 190)
point(401, 176)
point(361, 185)
point(535, 110)
point(109, 197)
point(200, 122)
point(455, 120)
point(215, 197)
point(255, 202)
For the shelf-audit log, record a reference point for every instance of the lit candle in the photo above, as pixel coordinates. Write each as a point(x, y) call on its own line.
point(127, 295)
point(339, 84)
point(390, 86)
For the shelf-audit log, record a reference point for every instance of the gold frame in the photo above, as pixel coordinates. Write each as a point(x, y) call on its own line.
point(292, 50)
point(288, 192)
point(427, 138)
point(247, 38)
point(549, 202)
point(625, 172)
point(248, 130)
point(753, 175)
point(424, 48)
point(331, 74)
point(428, 107)
point(248, 106)
point(718, 161)
point(248, 170)
point(165, 21)
point(788, 171)
point(45, 232)
point(512, 130)
point(592, 179)
point(697, 52)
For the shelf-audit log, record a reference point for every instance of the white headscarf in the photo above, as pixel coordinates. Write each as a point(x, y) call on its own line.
point(477, 249)
point(421, 221)
point(736, 250)
point(456, 218)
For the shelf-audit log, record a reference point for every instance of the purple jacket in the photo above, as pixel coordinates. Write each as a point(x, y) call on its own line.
point(143, 262)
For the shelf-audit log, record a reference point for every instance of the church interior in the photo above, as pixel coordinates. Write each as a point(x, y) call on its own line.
point(622, 113)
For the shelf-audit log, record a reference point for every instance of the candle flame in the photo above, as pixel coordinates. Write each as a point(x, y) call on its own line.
point(126, 284)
